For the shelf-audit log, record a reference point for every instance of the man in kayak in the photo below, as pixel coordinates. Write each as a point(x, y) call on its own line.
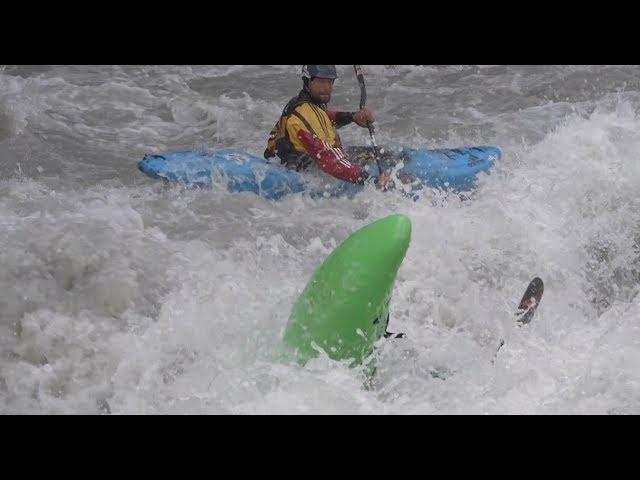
point(307, 132)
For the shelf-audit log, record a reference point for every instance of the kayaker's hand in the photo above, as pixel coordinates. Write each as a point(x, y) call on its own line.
point(363, 117)
point(382, 181)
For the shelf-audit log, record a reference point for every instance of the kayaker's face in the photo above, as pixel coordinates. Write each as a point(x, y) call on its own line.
point(320, 89)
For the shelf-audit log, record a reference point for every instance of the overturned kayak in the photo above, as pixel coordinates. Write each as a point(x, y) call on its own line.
point(344, 308)
point(454, 169)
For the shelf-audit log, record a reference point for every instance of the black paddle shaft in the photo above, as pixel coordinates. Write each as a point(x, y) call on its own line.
point(363, 102)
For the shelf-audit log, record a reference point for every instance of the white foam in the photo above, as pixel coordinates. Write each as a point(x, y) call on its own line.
point(120, 295)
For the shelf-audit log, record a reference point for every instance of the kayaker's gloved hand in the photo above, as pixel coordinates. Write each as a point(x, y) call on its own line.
point(363, 117)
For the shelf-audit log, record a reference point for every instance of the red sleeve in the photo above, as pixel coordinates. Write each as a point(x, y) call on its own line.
point(331, 115)
point(331, 160)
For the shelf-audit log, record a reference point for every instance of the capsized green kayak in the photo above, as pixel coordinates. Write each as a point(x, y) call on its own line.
point(343, 309)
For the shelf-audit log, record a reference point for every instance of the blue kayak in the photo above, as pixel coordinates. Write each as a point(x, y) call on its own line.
point(449, 169)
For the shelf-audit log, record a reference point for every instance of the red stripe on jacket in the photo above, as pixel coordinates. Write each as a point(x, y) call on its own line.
point(331, 160)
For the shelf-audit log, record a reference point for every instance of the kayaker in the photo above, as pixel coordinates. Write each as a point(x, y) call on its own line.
point(306, 132)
